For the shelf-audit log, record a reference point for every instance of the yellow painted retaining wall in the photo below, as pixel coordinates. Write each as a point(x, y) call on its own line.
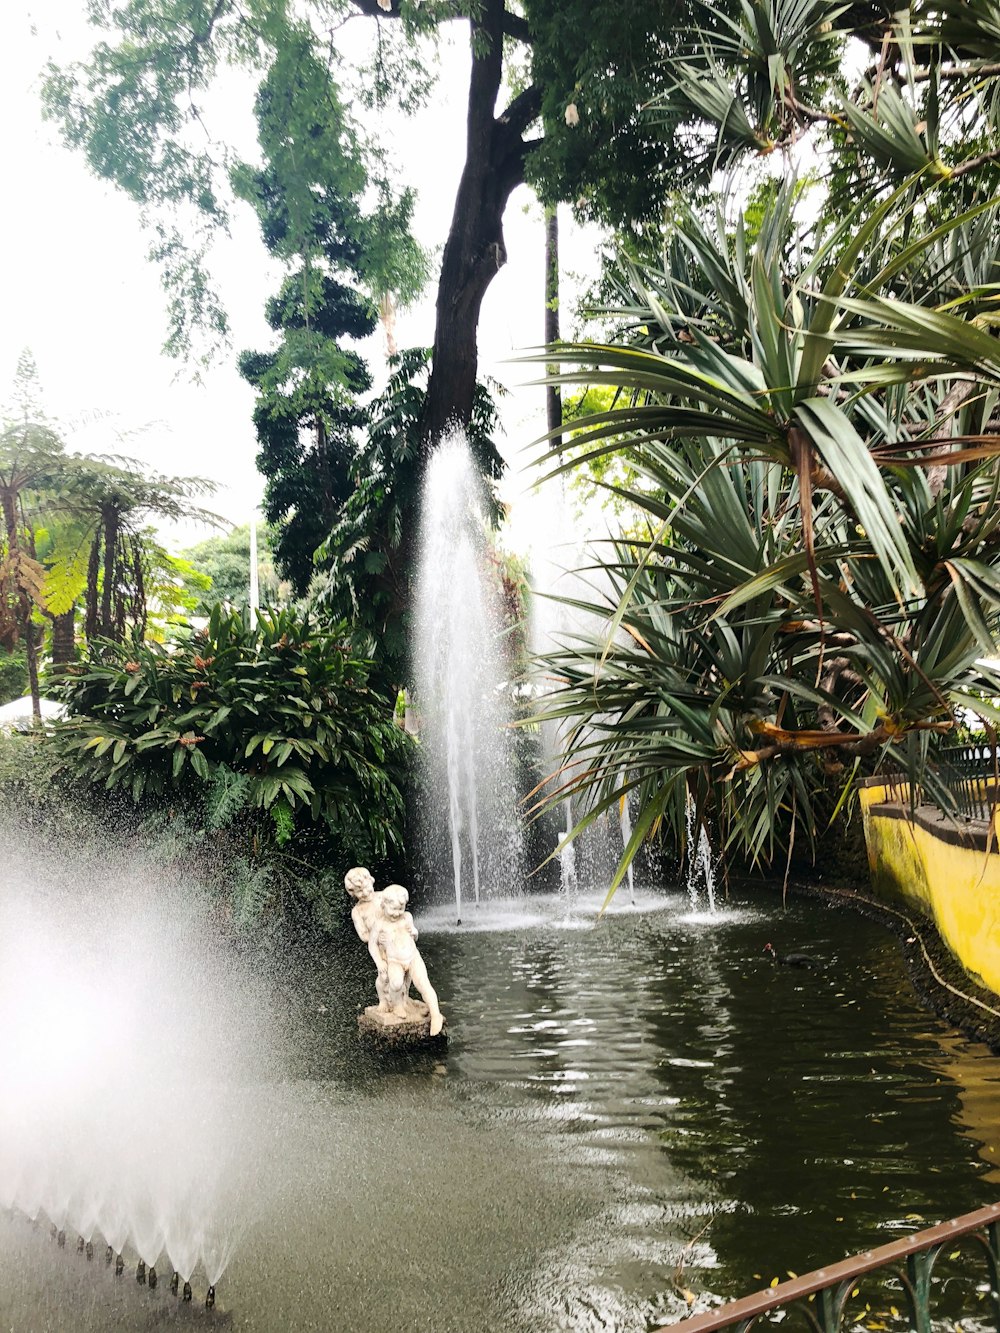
point(949, 872)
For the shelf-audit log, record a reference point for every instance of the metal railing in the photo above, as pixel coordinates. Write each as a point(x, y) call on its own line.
point(962, 780)
point(970, 773)
point(822, 1297)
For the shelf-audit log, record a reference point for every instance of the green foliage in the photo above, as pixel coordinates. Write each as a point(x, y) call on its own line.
point(279, 719)
point(598, 65)
point(225, 562)
point(816, 442)
point(135, 110)
point(308, 198)
point(13, 675)
point(369, 552)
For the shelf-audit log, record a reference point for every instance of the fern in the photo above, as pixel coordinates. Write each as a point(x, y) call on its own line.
point(284, 822)
point(226, 796)
point(66, 578)
point(252, 892)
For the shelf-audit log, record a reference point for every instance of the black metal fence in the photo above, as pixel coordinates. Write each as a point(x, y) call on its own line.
point(971, 775)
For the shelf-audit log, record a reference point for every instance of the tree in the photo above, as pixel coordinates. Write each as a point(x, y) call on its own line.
point(225, 561)
point(132, 109)
point(31, 457)
point(308, 411)
point(106, 552)
point(368, 554)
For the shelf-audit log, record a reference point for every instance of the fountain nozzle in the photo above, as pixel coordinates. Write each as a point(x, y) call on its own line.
point(210, 1299)
point(140, 1271)
point(80, 1242)
point(187, 1291)
point(119, 1265)
point(175, 1282)
point(109, 1254)
point(152, 1278)
point(88, 1249)
point(61, 1239)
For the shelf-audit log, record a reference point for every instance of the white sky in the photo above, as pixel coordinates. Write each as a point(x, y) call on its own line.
point(77, 290)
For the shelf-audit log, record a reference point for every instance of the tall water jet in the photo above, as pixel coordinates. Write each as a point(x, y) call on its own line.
point(461, 681)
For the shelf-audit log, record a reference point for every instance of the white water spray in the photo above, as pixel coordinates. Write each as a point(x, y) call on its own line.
point(625, 821)
point(700, 868)
point(127, 1040)
point(460, 681)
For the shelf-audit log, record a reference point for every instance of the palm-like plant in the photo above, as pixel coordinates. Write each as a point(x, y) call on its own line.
point(31, 456)
point(106, 553)
point(822, 575)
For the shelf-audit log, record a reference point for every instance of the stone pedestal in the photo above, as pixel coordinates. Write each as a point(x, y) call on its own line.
point(390, 1030)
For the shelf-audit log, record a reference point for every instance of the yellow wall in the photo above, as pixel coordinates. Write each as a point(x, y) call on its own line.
point(957, 886)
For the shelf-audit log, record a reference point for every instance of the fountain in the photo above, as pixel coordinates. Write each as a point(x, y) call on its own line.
point(461, 683)
point(557, 618)
point(124, 1042)
point(700, 866)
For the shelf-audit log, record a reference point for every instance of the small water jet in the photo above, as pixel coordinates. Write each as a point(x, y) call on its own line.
point(700, 865)
point(460, 681)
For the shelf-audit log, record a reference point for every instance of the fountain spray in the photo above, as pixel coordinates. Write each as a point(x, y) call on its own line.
point(460, 676)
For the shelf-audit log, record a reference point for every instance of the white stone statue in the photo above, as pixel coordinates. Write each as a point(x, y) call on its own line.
point(396, 940)
point(383, 923)
point(365, 913)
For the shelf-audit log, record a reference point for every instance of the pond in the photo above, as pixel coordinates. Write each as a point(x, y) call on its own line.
point(629, 1109)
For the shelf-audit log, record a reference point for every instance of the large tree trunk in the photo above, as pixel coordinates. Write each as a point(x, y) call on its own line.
point(110, 524)
point(475, 251)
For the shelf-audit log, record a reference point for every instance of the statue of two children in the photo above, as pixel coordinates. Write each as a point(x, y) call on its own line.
point(384, 924)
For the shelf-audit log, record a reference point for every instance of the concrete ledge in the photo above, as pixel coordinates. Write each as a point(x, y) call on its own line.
point(948, 870)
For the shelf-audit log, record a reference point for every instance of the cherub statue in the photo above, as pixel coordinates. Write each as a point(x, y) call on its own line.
point(365, 913)
point(395, 936)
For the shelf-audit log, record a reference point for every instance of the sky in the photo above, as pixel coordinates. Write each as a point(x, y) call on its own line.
point(78, 291)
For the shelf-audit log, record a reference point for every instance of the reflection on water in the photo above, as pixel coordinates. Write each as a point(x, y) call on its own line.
point(629, 1107)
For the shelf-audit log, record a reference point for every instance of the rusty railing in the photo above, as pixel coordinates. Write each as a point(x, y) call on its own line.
point(822, 1297)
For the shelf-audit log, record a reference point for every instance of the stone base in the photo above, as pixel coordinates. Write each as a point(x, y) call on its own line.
point(391, 1030)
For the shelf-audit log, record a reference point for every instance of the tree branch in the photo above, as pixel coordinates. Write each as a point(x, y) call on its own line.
point(516, 27)
point(973, 164)
point(983, 71)
point(525, 108)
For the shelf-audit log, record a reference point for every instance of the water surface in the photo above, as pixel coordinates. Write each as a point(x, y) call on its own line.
point(629, 1109)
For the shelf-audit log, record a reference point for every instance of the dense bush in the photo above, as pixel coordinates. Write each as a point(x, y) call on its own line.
point(274, 726)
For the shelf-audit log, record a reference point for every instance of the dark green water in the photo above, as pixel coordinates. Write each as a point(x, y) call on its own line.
point(626, 1109)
